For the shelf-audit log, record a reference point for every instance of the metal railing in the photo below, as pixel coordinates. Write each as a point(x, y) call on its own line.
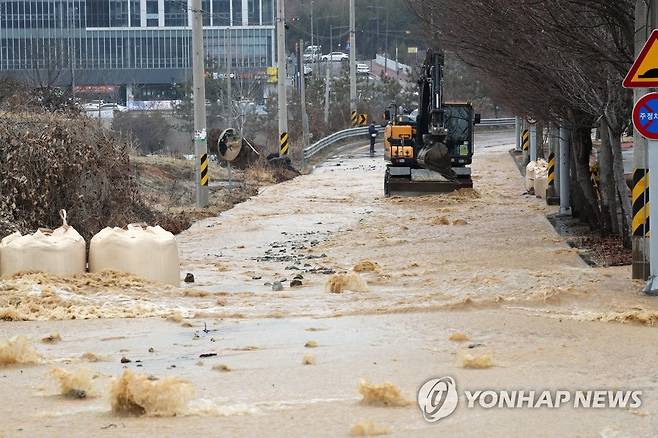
point(363, 132)
point(336, 137)
point(510, 121)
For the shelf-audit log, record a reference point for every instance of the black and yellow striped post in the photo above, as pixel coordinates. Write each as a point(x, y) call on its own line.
point(552, 197)
point(283, 144)
point(203, 167)
point(525, 145)
point(551, 170)
point(640, 223)
point(355, 118)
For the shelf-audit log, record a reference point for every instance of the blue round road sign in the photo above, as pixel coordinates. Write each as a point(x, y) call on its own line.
point(645, 116)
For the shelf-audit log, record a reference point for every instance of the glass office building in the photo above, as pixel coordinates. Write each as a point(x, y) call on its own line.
point(130, 42)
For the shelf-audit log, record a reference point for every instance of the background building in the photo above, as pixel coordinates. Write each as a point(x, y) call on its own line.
point(138, 49)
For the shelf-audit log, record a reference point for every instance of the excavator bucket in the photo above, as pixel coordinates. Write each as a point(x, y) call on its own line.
point(408, 181)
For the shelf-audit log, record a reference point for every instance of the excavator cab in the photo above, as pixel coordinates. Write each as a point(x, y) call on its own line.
point(399, 136)
point(433, 151)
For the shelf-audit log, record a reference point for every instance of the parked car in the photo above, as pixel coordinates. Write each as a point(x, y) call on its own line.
point(113, 107)
point(92, 105)
point(362, 69)
point(335, 57)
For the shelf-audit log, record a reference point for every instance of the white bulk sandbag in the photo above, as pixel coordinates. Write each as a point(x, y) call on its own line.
point(148, 252)
point(59, 252)
point(530, 175)
point(531, 171)
point(541, 182)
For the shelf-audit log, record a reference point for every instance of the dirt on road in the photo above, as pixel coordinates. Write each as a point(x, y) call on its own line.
point(319, 282)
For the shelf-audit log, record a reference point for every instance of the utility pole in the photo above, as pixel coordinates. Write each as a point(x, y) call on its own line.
point(228, 105)
point(386, 57)
point(199, 85)
point(282, 79)
point(229, 83)
point(327, 91)
point(302, 93)
point(331, 38)
point(565, 172)
point(646, 13)
point(312, 25)
point(352, 58)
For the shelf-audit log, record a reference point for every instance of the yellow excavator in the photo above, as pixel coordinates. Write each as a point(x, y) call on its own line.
point(431, 149)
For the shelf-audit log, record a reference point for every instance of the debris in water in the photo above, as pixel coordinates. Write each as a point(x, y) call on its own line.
point(458, 337)
point(139, 394)
point(311, 344)
point(222, 367)
point(52, 338)
point(441, 220)
point(124, 359)
point(192, 293)
point(296, 283)
point(91, 357)
point(189, 278)
point(151, 350)
point(277, 286)
point(477, 361)
point(175, 317)
point(638, 315)
point(385, 394)
point(459, 222)
point(309, 359)
point(366, 266)
point(247, 348)
point(204, 355)
point(341, 282)
point(368, 428)
point(18, 350)
point(315, 329)
point(78, 384)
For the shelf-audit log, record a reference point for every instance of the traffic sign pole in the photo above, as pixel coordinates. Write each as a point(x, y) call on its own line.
point(652, 285)
point(645, 120)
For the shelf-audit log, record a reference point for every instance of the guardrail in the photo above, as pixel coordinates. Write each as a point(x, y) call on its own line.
point(511, 121)
point(363, 132)
point(336, 137)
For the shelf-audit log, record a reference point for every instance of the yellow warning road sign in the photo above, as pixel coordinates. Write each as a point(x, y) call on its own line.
point(644, 72)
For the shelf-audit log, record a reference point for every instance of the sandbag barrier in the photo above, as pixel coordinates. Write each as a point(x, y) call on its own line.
point(147, 252)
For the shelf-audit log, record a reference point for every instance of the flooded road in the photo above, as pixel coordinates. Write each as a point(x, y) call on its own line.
point(482, 262)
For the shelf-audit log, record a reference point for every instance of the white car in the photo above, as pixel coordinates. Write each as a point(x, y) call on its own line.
point(113, 107)
point(362, 69)
point(92, 105)
point(336, 57)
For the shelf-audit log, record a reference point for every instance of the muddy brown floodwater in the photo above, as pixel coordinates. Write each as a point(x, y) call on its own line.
point(388, 293)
